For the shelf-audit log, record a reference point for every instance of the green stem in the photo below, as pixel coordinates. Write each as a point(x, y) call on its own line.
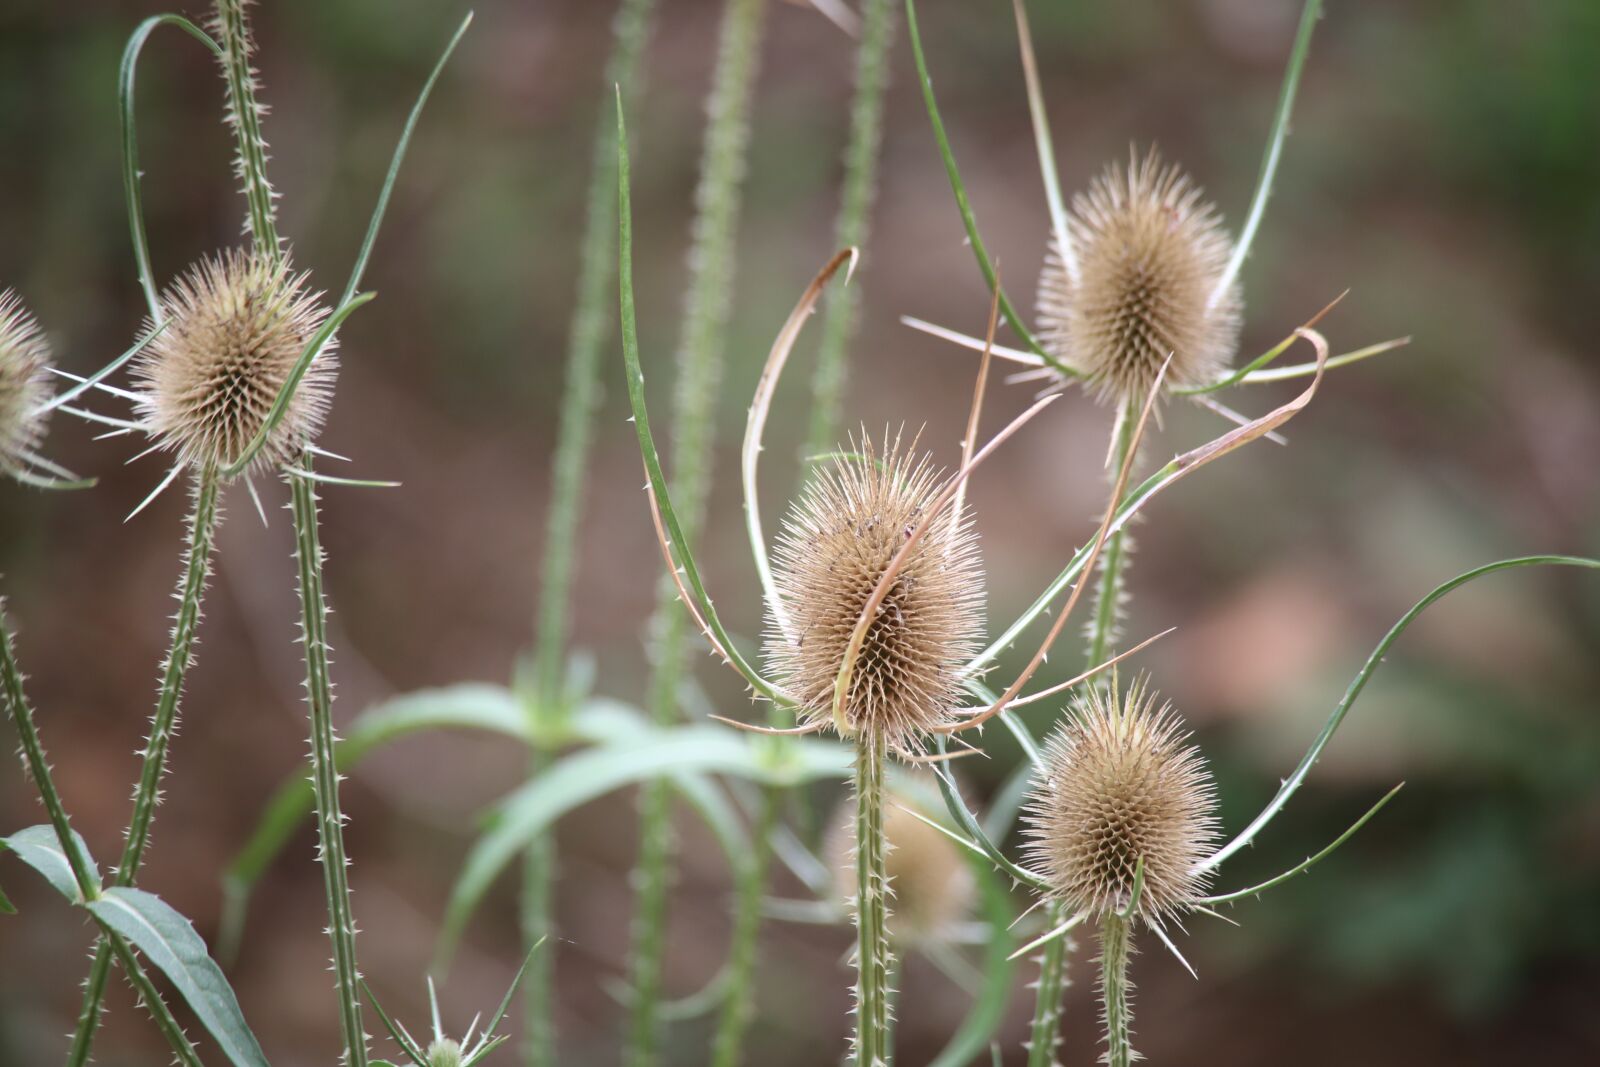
point(244, 115)
point(707, 305)
point(1045, 1034)
point(873, 960)
point(37, 766)
point(1115, 948)
point(324, 771)
point(840, 308)
point(147, 796)
point(739, 1007)
point(581, 397)
point(1108, 593)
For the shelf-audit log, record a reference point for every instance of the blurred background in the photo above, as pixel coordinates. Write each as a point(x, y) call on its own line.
point(1443, 166)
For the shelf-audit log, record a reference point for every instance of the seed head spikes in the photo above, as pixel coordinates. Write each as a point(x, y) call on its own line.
point(24, 388)
point(1122, 785)
point(236, 325)
point(1149, 252)
point(838, 542)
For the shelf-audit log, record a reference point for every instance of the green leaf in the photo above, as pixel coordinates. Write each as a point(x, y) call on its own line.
point(989, 1006)
point(6, 906)
point(591, 773)
point(170, 942)
point(39, 848)
point(472, 706)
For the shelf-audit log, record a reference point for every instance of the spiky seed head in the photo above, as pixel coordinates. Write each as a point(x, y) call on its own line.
point(1121, 783)
point(24, 381)
point(835, 546)
point(1150, 251)
point(444, 1052)
point(236, 325)
point(931, 880)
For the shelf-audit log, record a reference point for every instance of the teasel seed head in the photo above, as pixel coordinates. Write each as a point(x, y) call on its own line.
point(444, 1052)
point(24, 381)
point(931, 880)
point(835, 546)
point(236, 325)
point(1149, 251)
point(1121, 783)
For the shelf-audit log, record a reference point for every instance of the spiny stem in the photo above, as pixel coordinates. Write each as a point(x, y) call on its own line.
point(707, 305)
point(873, 960)
point(147, 795)
point(1109, 596)
point(1115, 948)
point(1045, 1035)
point(37, 767)
point(739, 1007)
point(324, 772)
point(841, 307)
point(244, 115)
point(588, 331)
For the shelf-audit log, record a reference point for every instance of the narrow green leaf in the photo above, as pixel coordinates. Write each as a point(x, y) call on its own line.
point(5, 904)
point(169, 941)
point(1292, 783)
point(130, 143)
point(591, 773)
point(964, 206)
point(39, 848)
point(989, 1006)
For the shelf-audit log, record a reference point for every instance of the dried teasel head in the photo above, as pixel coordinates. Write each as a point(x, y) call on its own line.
point(932, 882)
point(1121, 783)
point(24, 382)
point(836, 544)
point(236, 325)
point(1149, 251)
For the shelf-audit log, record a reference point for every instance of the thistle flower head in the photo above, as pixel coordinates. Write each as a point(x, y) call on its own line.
point(1122, 784)
point(24, 381)
point(236, 325)
point(836, 544)
point(1149, 251)
point(930, 878)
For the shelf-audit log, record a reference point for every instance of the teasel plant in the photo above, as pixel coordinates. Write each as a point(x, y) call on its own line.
point(234, 379)
point(1140, 275)
point(883, 704)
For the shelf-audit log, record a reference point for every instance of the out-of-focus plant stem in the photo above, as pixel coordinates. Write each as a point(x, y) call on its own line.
point(841, 306)
point(707, 305)
point(587, 334)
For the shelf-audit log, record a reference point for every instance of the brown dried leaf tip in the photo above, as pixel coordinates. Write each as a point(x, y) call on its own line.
point(835, 546)
point(24, 382)
point(237, 324)
point(1149, 251)
point(931, 881)
point(1122, 783)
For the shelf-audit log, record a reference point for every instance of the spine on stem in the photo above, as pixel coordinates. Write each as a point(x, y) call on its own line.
point(1116, 946)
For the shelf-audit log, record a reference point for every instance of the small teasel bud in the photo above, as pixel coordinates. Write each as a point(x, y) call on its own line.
point(836, 544)
point(931, 880)
point(1149, 252)
point(444, 1052)
point(236, 325)
point(24, 381)
point(1121, 784)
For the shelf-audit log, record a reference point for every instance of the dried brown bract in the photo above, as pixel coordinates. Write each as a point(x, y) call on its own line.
point(836, 544)
point(1122, 784)
point(1149, 253)
point(237, 324)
